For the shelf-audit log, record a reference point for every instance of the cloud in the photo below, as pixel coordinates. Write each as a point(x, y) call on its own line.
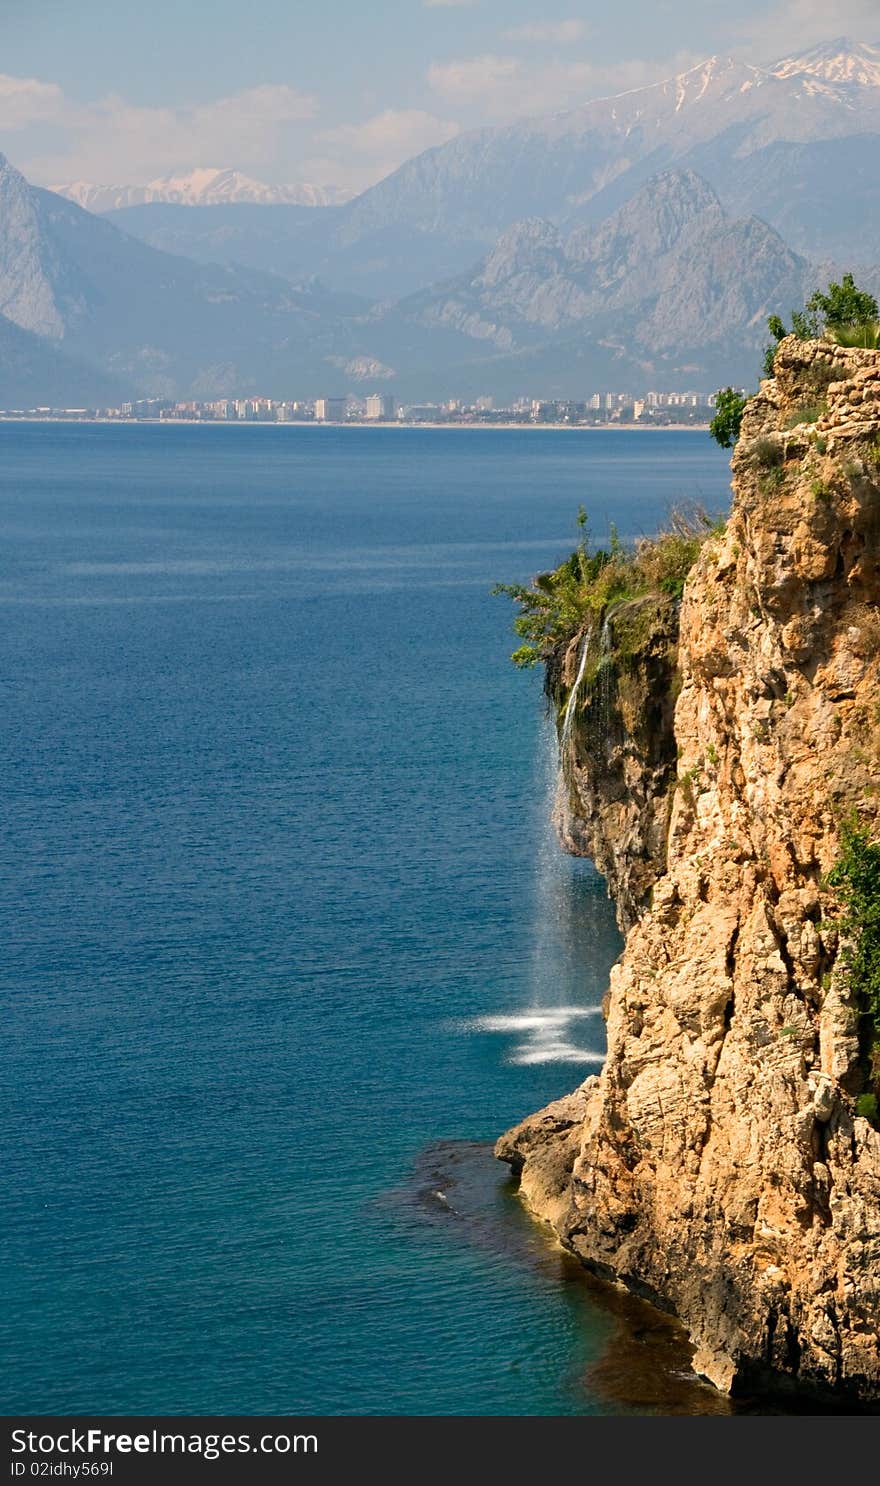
point(409, 129)
point(357, 154)
point(498, 88)
point(112, 140)
point(271, 131)
point(794, 25)
point(490, 78)
point(268, 103)
point(24, 101)
point(548, 31)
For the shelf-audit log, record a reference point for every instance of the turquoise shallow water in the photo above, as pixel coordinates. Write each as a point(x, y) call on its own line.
point(287, 940)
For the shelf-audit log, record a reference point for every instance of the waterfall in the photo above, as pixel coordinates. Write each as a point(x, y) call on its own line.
point(571, 940)
point(560, 1017)
point(603, 675)
point(571, 704)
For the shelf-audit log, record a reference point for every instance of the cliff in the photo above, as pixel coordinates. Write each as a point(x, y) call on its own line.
point(722, 1164)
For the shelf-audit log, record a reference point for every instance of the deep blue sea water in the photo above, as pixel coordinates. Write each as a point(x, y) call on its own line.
point(286, 936)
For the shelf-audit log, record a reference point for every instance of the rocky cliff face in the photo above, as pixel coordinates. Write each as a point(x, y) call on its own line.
point(719, 1166)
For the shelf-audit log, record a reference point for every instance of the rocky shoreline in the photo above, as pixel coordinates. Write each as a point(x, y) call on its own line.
point(721, 1166)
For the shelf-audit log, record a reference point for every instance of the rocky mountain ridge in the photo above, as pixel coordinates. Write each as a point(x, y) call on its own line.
point(725, 1163)
point(669, 281)
point(838, 61)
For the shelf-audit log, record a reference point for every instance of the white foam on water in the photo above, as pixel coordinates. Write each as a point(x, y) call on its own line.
point(555, 1052)
point(546, 1029)
point(552, 1019)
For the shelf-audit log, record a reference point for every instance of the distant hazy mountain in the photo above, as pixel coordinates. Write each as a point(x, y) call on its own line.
point(668, 290)
point(297, 242)
point(273, 239)
point(166, 324)
point(36, 373)
point(205, 187)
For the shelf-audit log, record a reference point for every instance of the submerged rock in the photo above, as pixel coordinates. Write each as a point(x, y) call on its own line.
point(719, 1165)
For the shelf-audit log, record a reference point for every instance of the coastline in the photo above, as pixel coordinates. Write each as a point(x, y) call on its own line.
point(450, 427)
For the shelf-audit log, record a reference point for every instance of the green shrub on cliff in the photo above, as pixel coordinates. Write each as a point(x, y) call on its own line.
point(849, 314)
point(808, 412)
point(557, 604)
point(856, 879)
point(866, 335)
point(766, 453)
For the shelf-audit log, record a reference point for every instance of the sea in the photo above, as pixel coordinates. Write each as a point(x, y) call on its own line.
point(287, 937)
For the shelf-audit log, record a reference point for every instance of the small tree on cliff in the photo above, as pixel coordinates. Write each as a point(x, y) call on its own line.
point(849, 314)
point(729, 409)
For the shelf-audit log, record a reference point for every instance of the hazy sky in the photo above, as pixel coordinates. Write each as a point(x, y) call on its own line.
point(342, 92)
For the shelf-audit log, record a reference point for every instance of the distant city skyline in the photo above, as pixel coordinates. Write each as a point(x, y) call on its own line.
point(657, 407)
point(340, 96)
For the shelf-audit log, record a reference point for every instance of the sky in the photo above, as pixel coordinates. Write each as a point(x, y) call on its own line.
point(340, 94)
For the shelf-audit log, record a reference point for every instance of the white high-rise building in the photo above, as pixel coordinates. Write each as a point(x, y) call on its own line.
point(380, 408)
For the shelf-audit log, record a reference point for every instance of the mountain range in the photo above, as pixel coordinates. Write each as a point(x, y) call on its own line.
point(796, 144)
point(275, 238)
point(634, 241)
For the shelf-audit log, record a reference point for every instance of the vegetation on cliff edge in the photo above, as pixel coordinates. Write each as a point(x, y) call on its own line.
point(843, 314)
point(556, 605)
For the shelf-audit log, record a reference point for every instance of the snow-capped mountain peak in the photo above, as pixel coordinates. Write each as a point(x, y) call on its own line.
point(838, 61)
point(205, 186)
